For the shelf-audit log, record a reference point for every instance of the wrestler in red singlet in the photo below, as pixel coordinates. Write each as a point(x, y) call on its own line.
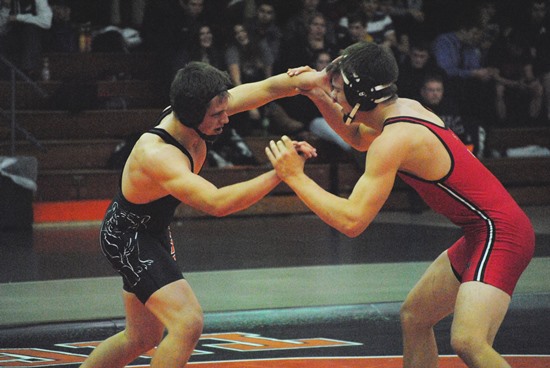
point(498, 240)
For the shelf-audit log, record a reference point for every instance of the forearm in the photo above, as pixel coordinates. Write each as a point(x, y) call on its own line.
point(330, 208)
point(239, 196)
point(253, 95)
point(351, 134)
point(250, 96)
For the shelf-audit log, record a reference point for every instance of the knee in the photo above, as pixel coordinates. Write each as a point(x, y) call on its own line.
point(188, 324)
point(466, 346)
point(410, 318)
point(144, 341)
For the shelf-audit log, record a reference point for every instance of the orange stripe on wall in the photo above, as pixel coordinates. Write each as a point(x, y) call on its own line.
point(88, 210)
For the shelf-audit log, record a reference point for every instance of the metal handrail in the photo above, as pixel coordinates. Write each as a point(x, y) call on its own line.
point(14, 71)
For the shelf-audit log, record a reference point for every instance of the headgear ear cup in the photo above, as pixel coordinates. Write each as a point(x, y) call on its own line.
point(355, 90)
point(365, 91)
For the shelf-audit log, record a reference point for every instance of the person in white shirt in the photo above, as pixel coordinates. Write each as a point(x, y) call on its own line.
point(22, 24)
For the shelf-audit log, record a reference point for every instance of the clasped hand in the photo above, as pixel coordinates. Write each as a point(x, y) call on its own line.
point(288, 157)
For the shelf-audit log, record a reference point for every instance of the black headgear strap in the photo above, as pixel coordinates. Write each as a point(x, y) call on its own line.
point(195, 117)
point(207, 138)
point(364, 95)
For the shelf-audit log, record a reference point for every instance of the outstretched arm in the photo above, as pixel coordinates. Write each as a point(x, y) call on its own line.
point(252, 95)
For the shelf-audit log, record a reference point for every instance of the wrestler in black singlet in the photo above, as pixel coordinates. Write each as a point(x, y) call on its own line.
point(136, 238)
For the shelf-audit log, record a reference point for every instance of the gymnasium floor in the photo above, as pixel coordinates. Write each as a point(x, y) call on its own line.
point(278, 291)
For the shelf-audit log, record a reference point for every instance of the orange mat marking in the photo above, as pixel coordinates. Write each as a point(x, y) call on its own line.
point(88, 210)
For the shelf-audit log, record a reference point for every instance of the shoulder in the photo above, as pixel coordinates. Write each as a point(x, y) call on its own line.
point(394, 141)
point(151, 153)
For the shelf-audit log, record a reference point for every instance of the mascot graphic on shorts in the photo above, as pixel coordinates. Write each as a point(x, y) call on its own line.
point(120, 245)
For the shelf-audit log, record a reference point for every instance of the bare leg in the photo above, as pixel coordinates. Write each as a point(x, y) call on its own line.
point(431, 300)
point(479, 312)
point(179, 310)
point(143, 332)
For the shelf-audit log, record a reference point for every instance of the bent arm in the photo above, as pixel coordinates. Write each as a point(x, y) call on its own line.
point(352, 215)
point(200, 194)
point(357, 135)
point(168, 171)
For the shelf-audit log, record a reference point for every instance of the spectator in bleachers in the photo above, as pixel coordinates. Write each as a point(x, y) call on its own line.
point(379, 24)
point(355, 31)
point(401, 42)
point(247, 61)
point(467, 128)
point(127, 13)
point(63, 34)
point(518, 94)
point(264, 26)
point(408, 17)
point(458, 54)
point(490, 26)
point(299, 21)
point(301, 49)
point(23, 24)
point(166, 31)
point(203, 46)
point(414, 68)
point(168, 24)
point(535, 26)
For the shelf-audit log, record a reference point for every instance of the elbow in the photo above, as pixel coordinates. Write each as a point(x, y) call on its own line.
point(359, 146)
point(353, 229)
point(218, 211)
point(352, 233)
point(214, 208)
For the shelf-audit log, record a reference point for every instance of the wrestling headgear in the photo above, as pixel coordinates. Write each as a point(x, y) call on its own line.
point(369, 72)
point(194, 86)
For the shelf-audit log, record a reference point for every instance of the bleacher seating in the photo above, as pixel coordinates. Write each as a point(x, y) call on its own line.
point(77, 145)
point(136, 93)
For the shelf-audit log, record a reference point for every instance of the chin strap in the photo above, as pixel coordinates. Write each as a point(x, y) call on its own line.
point(207, 138)
point(348, 118)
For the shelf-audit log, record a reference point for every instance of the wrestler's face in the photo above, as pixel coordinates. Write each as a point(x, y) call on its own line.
point(216, 116)
point(337, 93)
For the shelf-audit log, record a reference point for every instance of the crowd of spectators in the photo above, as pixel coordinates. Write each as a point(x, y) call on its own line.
point(491, 57)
